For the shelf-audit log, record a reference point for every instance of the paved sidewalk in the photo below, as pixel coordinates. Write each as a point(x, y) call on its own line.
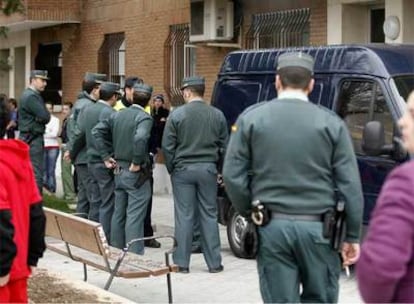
point(237, 283)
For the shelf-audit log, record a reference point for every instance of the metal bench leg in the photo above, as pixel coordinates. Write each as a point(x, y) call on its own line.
point(111, 277)
point(167, 262)
point(85, 273)
point(115, 269)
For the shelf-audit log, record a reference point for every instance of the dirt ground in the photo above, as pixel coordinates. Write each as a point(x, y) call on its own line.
point(44, 288)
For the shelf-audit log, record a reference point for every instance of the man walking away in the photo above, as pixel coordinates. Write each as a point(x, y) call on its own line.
point(289, 155)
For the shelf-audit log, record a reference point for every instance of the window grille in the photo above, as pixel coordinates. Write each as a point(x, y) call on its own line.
point(180, 61)
point(111, 57)
point(279, 29)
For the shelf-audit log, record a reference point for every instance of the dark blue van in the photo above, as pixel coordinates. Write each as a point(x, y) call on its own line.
point(361, 83)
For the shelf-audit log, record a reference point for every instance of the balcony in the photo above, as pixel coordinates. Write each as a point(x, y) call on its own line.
point(43, 13)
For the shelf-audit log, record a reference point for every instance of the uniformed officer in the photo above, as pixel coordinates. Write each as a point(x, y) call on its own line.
point(123, 143)
point(33, 117)
point(193, 135)
point(123, 103)
point(88, 191)
point(291, 154)
point(89, 117)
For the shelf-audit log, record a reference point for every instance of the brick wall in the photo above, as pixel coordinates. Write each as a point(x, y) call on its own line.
point(146, 27)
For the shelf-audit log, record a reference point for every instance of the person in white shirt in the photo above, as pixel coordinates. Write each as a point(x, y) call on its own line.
point(51, 151)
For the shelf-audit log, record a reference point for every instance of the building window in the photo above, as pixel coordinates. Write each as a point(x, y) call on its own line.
point(180, 61)
point(279, 29)
point(377, 21)
point(111, 57)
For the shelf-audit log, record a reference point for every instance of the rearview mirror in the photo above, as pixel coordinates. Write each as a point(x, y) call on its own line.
point(373, 139)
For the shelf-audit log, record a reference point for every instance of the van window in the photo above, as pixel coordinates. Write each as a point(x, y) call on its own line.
point(360, 102)
point(234, 96)
point(405, 85)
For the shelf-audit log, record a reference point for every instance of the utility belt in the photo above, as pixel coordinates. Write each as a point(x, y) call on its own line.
point(333, 220)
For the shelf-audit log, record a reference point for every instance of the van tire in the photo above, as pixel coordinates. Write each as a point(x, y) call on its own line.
point(235, 226)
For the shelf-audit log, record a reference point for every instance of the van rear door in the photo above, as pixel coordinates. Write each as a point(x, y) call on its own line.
point(232, 96)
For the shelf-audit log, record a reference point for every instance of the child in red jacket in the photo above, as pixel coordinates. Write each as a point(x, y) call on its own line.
point(22, 221)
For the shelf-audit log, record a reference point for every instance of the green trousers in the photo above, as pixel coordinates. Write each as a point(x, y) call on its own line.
point(67, 179)
point(37, 158)
point(294, 253)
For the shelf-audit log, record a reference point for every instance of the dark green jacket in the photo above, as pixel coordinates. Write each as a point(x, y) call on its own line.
point(88, 118)
point(292, 154)
point(194, 133)
point(84, 99)
point(33, 115)
point(127, 134)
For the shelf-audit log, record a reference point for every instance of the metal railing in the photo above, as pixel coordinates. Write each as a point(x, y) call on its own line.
point(108, 56)
point(177, 59)
point(279, 29)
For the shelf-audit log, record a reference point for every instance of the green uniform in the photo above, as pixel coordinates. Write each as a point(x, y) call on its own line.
point(88, 191)
point(33, 117)
point(193, 135)
point(89, 117)
point(291, 154)
point(125, 137)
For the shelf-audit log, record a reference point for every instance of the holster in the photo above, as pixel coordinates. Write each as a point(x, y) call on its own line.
point(339, 229)
point(261, 215)
point(334, 225)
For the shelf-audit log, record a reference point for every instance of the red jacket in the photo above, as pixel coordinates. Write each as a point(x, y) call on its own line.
point(19, 197)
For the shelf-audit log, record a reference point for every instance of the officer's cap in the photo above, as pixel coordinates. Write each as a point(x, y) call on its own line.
point(94, 77)
point(192, 81)
point(296, 59)
point(142, 87)
point(42, 74)
point(110, 87)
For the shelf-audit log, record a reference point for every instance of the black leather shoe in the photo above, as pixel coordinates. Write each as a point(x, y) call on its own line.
point(216, 270)
point(152, 243)
point(183, 269)
point(196, 249)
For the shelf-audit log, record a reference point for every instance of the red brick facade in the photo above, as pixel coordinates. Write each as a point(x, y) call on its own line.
point(146, 27)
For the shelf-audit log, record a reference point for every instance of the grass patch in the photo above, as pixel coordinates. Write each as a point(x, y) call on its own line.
point(56, 203)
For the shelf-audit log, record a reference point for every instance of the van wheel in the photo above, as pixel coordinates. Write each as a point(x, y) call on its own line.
point(236, 225)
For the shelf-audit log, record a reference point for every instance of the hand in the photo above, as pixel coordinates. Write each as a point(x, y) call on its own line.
point(110, 163)
point(350, 253)
point(4, 280)
point(32, 270)
point(134, 168)
point(66, 156)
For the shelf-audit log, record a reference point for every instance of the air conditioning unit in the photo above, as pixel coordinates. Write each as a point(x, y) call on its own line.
point(211, 20)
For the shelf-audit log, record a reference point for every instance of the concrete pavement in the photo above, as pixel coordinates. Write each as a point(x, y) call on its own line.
point(237, 283)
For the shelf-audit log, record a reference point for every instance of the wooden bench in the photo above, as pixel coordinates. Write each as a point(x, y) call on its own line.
point(84, 241)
